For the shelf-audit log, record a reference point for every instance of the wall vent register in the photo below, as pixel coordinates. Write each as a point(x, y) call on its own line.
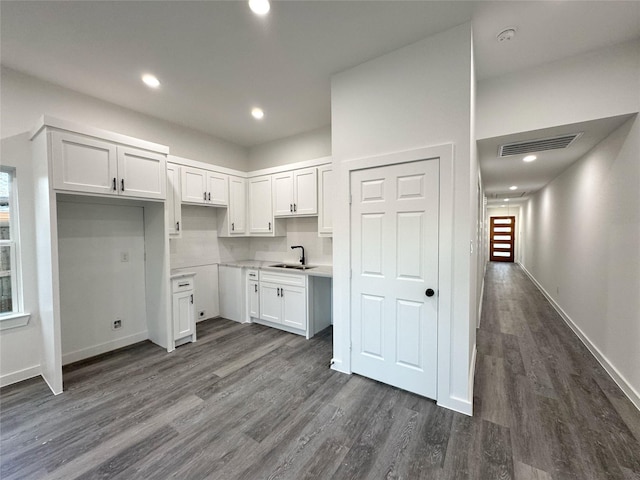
point(538, 145)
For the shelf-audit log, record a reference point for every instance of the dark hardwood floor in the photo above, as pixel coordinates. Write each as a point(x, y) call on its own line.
point(250, 402)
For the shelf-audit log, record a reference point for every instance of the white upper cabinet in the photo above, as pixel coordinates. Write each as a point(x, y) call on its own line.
point(173, 204)
point(142, 174)
point(217, 189)
point(283, 194)
point(238, 205)
point(295, 193)
point(325, 188)
point(90, 165)
point(232, 221)
point(204, 187)
point(194, 185)
point(260, 207)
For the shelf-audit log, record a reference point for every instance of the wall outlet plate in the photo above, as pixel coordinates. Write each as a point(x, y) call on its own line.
point(117, 323)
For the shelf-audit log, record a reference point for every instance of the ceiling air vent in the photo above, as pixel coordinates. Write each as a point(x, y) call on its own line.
point(540, 145)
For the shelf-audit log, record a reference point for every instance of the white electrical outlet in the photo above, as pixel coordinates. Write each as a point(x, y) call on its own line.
point(124, 257)
point(117, 323)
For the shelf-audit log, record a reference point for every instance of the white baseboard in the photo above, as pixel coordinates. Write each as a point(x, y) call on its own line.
point(103, 348)
point(457, 405)
point(20, 375)
point(613, 372)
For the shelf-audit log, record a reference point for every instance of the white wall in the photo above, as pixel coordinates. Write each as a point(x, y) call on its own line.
point(300, 231)
point(297, 148)
point(20, 347)
point(415, 97)
point(583, 238)
point(598, 84)
point(23, 99)
point(96, 286)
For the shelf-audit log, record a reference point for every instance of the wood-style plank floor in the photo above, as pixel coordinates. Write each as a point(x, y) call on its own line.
point(250, 402)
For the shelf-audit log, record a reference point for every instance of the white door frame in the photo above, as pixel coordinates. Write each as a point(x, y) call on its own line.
point(342, 255)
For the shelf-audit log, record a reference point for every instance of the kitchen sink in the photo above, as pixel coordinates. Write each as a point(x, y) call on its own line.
point(291, 266)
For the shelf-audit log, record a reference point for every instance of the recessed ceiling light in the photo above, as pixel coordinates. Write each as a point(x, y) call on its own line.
point(503, 205)
point(513, 187)
point(259, 7)
point(257, 113)
point(506, 199)
point(506, 34)
point(529, 158)
point(151, 80)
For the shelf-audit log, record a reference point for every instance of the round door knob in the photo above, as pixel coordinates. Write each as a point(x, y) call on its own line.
point(429, 292)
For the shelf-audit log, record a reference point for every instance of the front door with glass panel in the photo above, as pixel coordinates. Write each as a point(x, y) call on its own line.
point(502, 241)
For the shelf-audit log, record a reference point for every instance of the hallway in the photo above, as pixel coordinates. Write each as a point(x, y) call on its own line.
point(555, 409)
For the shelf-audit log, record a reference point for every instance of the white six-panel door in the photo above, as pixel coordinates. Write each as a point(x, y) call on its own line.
point(394, 255)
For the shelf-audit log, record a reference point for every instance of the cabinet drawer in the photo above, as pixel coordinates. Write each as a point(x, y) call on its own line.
point(253, 275)
point(283, 278)
point(181, 284)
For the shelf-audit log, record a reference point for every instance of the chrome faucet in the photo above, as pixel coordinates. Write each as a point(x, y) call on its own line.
point(303, 261)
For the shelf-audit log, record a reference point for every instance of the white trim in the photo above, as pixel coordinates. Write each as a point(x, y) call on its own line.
point(290, 166)
point(613, 372)
point(103, 348)
point(342, 332)
point(186, 162)
point(19, 376)
point(14, 320)
point(61, 124)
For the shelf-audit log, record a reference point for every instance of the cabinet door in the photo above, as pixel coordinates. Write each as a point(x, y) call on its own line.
point(270, 302)
point(283, 194)
point(83, 164)
point(305, 191)
point(325, 189)
point(260, 207)
point(217, 189)
point(294, 307)
point(237, 205)
point(194, 185)
point(254, 300)
point(173, 204)
point(183, 314)
point(142, 174)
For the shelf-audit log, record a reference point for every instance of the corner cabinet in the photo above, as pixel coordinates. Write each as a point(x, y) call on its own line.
point(173, 204)
point(261, 219)
point(90, 165)
point(325, 190)
point(232, 221)
point(295, 193)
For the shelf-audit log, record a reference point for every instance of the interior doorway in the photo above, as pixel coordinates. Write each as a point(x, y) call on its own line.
point(502, 239)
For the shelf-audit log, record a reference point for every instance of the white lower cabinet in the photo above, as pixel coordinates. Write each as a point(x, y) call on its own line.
point(283, 301)
point(253, 298)
point(184, 317)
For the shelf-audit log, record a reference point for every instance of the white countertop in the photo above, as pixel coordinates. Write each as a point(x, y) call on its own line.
point(316, 271)
point(175, 274)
